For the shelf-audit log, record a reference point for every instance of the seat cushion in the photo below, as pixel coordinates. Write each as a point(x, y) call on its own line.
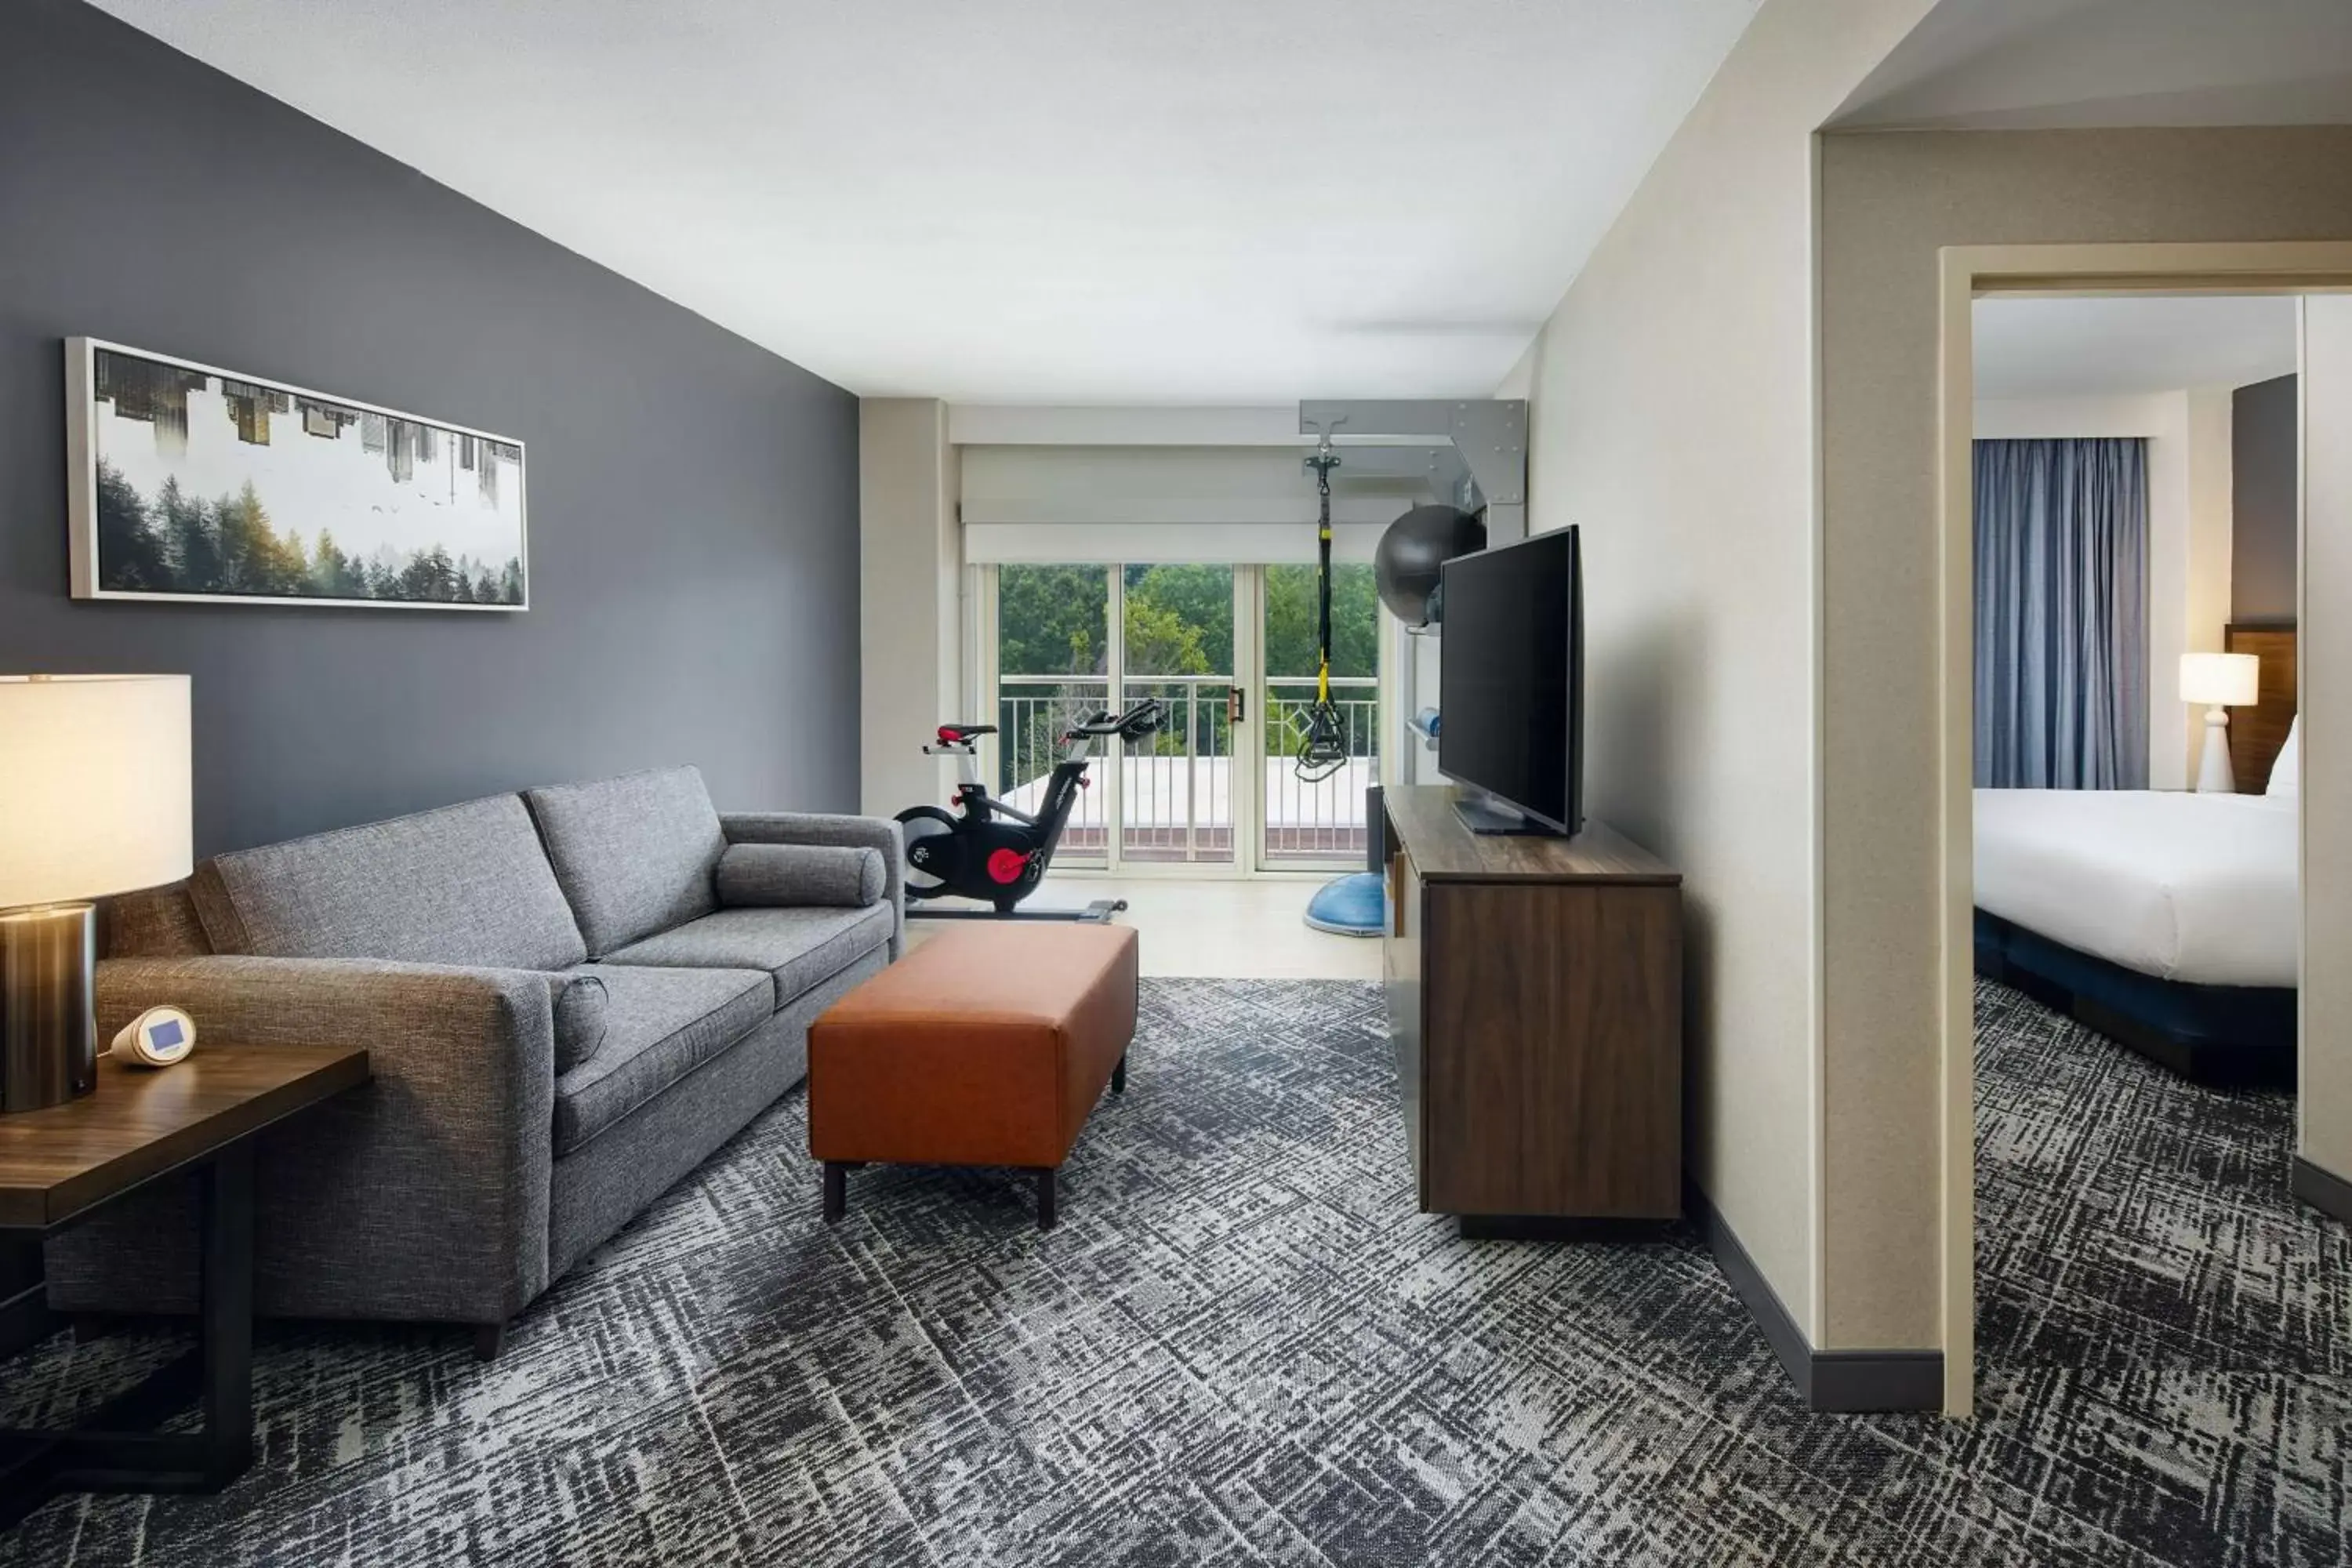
point(799, 948)
point(465, 884)
point(659, 1025)
point(635, 854)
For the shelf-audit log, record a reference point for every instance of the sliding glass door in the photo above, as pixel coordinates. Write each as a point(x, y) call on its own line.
point(1052, 649)
point(1176, 796)
point(1231, 649)
point(1320, 822)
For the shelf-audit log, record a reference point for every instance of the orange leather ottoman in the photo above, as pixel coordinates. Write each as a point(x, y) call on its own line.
point(986, 1046)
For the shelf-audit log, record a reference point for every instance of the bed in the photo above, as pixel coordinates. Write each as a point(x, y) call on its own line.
point(2166, 920)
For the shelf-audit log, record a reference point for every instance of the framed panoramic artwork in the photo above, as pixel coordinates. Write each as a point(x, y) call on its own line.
point(189, 481)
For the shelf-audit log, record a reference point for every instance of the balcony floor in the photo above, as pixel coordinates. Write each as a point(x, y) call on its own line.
point(1230, 929)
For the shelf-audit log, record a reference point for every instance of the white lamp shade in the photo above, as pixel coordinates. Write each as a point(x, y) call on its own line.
point(94, 788)
point(2220, 679)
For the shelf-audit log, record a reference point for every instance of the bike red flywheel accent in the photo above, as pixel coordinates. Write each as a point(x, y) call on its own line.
point(1007, 865)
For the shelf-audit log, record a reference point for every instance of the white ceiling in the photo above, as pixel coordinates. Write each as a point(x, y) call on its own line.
point(2085, 347)
point(1070, 201)
point(1990, 65)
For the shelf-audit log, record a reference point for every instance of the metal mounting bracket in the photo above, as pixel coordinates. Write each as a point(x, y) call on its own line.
point(1488, 437)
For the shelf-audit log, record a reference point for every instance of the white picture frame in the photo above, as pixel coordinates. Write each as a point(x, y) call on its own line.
point(393, 551)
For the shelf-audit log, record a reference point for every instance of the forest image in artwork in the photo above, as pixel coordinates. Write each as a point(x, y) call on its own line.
point(207, 485)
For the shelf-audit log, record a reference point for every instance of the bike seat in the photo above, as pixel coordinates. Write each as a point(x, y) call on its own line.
point(952, 733)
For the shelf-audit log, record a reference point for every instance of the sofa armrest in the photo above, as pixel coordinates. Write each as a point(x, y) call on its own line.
point(817, 828)
point(422, 1195)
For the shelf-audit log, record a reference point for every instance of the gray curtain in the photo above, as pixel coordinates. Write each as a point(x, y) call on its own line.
point(2061, 615)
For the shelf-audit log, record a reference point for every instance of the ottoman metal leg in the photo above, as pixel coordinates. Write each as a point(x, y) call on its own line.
point(1119, 1074)
point(1045, 1214)
point(836, 1190)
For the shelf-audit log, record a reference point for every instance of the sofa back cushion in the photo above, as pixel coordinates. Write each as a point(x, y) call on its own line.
point(156, 923)
point(635, 854)
point(788, 875)
point(465, 884)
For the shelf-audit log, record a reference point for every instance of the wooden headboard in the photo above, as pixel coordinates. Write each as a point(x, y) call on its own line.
point(2256, 733)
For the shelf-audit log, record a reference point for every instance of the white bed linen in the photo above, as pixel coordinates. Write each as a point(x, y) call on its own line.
point(2197, 888)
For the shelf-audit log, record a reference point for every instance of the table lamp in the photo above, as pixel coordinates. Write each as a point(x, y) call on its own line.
point(2219, 680)
point(93, 800)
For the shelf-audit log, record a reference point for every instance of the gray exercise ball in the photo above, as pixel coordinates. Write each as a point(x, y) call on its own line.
point(1416, 545)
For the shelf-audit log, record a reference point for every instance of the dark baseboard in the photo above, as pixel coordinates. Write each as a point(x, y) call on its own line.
point(2323, 1190)
point(1551, 1228)
point(1840, 1380)
point(1877, 1379)
point(1755, 1291)
point(24, 1319)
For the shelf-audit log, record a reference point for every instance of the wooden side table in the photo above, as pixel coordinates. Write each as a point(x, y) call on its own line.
point(61, 1164)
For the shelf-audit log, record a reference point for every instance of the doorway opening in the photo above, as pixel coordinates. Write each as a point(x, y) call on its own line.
point(2064, 746)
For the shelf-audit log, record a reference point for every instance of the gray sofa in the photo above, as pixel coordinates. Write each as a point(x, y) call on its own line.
point(499, 1142)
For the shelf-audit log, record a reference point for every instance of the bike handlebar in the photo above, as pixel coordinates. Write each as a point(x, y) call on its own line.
point(1143, 717)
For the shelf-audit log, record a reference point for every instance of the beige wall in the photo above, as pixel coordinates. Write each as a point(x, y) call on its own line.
point(2324, 664)
point(1888, 203)
point(2213, 507)
point(910, 572)
point(1674, 421)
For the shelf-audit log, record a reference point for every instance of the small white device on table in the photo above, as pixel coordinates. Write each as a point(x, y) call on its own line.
point(156, 1038)
point(93, 801)
point(2220, 680)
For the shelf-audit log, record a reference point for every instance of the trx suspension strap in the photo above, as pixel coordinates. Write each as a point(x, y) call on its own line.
point(1323, 741)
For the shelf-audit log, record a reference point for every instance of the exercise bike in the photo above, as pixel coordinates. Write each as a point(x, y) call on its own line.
point(996, 853)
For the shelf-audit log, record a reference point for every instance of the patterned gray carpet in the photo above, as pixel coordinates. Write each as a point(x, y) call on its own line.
point(1241, 1346)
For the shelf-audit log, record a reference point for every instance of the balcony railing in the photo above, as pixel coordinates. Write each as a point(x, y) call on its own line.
point(1325, 820)
point(1032, 713)
point(1176, 799)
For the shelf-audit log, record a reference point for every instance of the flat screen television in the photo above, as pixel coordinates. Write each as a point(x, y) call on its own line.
point(1511, 685)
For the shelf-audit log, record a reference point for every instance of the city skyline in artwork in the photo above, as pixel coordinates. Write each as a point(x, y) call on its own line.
point(199, 482)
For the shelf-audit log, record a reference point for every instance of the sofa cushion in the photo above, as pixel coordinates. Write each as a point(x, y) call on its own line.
point(799, 947)
point(769, 875)
point(156, 923)
point(635, 854)
point(659, 1025)
point(465, 884)
point(580, 1002)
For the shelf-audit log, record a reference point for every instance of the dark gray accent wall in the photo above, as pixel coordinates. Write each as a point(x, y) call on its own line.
point(2263, 486)
point(693, 499)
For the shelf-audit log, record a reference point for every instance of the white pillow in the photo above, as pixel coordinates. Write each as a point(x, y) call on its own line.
point(2287, 773)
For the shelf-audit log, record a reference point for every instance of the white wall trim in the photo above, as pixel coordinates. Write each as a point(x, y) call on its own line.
point(1123, 543)
point(1048, 425)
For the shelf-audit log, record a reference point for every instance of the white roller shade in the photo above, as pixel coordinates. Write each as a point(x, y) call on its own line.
point(1109, 504)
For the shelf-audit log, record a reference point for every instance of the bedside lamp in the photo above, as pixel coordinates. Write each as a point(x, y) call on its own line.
point(2219, 680)
point(94, 794)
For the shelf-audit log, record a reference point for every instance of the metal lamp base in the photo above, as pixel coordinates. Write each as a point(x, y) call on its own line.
point(48, 1030)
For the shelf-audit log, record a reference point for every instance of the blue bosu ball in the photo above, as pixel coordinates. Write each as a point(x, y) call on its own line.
point(1355, 905)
